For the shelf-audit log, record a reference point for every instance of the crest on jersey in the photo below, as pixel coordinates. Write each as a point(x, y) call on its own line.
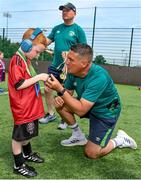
point(71, 33)
point(30, 127)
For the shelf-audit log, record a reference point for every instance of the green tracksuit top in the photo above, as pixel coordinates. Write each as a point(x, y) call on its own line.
point(64, 37)
point(98, 87)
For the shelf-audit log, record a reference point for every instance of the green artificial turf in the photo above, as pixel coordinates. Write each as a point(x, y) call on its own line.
point(70, 162)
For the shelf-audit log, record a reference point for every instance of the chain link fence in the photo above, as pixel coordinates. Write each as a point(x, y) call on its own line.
point(119, 46)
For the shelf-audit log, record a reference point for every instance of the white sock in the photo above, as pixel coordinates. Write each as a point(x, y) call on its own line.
point(117, 141)
point(76, 131)
point(114, 143)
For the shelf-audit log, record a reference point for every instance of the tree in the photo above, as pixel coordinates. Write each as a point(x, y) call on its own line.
point(99, 60)
point(9, 50)
point(7, 47)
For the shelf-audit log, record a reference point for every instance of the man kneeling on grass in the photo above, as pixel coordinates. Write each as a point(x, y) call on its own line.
point(97, 99)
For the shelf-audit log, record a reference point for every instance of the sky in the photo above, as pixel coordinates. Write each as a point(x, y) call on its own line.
point(45, 13)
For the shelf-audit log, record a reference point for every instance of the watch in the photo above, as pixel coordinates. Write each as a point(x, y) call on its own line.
point(61, 93)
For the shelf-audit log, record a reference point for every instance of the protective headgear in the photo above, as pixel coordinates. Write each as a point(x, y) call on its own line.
point(26, 44)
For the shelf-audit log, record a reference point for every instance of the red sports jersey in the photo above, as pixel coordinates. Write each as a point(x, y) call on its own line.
point(25, 105)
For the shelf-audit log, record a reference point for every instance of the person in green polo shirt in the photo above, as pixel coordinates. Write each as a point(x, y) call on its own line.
point(97, 99)
point(64, 36)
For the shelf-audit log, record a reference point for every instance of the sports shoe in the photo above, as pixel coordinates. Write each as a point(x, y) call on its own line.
point(25, 170)
point(127, 140)
point(63, 125)
point(74, 141)
point(47, 118)
point(33, 157)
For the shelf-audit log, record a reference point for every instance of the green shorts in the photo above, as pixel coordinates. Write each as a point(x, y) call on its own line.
point(100, 130)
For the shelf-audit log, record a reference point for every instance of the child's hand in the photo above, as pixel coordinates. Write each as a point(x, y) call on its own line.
point(43, 76)
point(53, 83)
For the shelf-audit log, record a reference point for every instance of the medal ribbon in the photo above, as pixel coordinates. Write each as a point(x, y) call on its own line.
point(31, 71)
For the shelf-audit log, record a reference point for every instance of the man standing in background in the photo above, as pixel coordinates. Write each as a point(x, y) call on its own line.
point(64, 36)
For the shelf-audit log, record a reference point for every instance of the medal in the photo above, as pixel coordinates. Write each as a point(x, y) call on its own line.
point(62, 76)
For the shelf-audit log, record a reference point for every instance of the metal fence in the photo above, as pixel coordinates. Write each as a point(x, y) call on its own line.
point(119, 46)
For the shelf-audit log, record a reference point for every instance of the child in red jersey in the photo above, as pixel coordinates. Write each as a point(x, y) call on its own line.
point(25, 100)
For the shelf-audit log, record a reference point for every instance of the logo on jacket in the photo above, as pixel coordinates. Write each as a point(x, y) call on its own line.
point(71, 33)
point(75, 83)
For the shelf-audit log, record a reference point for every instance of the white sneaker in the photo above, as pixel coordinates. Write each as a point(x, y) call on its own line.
point(74, 141)
point(47, 118)
point(127, 140)
point(63, 125)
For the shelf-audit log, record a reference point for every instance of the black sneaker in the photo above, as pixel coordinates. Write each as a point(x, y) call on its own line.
point(25, 170)
point(34, 157)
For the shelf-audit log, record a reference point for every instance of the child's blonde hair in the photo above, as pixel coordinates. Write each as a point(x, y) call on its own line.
point(40, 39)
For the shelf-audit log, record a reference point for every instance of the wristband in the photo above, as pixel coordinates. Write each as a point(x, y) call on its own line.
point(61, 93)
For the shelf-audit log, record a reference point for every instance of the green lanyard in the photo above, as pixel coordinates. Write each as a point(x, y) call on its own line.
point(31, 71)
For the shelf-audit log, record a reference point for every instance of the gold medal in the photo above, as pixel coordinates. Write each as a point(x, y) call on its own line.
point(62, 76)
